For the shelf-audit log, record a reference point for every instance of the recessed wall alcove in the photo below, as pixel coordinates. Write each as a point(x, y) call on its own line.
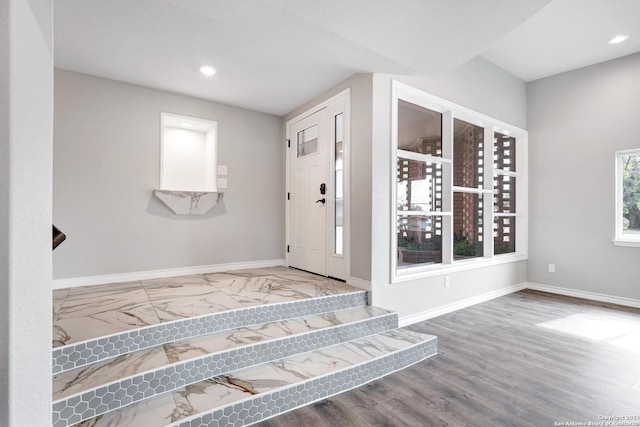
point(188, 164)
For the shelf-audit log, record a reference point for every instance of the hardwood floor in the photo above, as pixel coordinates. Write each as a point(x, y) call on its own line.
point(525, 359)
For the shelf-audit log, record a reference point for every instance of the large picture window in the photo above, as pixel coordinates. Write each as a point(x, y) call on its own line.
point(459, 187)
point(627, 198)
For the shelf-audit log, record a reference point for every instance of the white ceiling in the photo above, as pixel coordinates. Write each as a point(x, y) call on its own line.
point(566, 35)
point(274, 55)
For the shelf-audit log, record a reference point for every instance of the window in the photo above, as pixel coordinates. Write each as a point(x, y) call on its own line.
point(338, 167)
point(627, 198)
point(468, 190)
point(459, 190)
point(504, 190)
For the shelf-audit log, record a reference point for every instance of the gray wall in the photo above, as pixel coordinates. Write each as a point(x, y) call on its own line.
point(577, 120)
point(361, 91)
point(478, 85)
point(26, 119)
point(106, 165)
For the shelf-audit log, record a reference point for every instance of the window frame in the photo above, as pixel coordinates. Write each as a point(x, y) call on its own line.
point(619, 238)
point(451, 111)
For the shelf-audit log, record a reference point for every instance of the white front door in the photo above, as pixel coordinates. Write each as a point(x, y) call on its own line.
point(309, 193)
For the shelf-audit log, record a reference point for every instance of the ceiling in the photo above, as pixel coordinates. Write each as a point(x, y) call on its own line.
point(274, 55)
point(566, 35)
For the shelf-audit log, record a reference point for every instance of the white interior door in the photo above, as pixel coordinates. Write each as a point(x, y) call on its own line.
point(309, 193)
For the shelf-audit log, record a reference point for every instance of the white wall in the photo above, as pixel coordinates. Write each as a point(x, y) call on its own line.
point(577, 120)
point(26, 101)
point(361, 90)
point(185, 163)
point(478, 85)
point(106, 165)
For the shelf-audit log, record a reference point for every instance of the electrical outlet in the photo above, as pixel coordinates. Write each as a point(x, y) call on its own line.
point(552, 268)
point(447, 282)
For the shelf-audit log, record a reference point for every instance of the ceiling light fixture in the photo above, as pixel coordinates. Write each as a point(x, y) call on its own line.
point(618, 39)
point(207, 70)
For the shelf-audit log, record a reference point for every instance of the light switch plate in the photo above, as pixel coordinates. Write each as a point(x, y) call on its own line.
point(222, 182)
point(222, 170)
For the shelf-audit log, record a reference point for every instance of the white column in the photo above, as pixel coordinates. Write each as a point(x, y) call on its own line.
point(26, 122)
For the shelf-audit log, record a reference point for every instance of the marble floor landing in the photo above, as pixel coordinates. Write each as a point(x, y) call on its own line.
point(88, 312)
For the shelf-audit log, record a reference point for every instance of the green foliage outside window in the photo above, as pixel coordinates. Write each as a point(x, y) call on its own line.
point(631, 191)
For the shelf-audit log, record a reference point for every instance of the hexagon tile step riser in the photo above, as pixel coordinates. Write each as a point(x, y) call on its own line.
point(253, 394)
point(99, 400)
point(270, 404)
point(84, 353)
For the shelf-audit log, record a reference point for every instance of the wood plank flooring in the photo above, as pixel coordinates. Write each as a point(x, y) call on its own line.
point(525, 359)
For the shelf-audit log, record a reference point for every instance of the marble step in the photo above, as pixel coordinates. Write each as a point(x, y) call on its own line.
point(107, 385)
point(258, 311)
point(253, 394)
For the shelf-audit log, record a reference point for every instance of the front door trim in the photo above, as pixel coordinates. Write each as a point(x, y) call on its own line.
point(337, 266)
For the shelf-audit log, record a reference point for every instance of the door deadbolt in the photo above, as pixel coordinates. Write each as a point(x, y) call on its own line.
point(323, 189)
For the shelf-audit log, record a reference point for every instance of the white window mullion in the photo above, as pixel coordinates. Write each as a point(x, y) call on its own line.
point(487, 198)
point(423, 213)
point(471, 190)
point(410, 155)
point(447, 188)
point(394, 181)
point(522, 194)
point(507, 173)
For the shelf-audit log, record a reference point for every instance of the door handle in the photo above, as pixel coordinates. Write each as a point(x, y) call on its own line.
point(323, 201)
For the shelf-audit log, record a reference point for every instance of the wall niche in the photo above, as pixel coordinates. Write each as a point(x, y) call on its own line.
point(188, 164)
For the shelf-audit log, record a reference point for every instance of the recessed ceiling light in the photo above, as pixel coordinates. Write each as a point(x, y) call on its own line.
point(618, 39)
point(186, 125)
point(207, 70)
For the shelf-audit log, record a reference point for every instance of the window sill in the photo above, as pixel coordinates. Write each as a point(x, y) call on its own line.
point(438, 270)
point(627, 243)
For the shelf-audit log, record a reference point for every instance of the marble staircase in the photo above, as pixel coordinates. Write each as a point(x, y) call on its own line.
point(203, 360)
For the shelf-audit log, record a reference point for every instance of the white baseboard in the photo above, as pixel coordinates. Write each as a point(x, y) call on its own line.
point(628, 302)
point(157, 274)
point(359, 283)
point(468, 302)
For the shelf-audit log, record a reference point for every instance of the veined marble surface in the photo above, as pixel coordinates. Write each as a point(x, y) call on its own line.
point(194, 347)
point(188, 202)
point(383, 343)
point(183, 297)
point(155, 412)
point(59, 296)
point(89, 313)
point(329, 359)
point(100, 373)
point(92, 311)
point(222, 390)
